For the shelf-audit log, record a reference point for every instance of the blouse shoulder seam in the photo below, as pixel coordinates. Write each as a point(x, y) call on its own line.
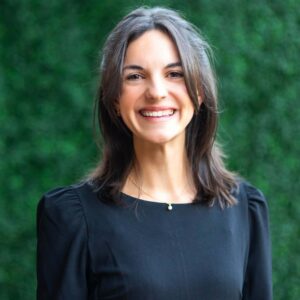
point(72, 190)
point(82, 208)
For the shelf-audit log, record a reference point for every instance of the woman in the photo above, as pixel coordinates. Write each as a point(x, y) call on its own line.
point(161, 217)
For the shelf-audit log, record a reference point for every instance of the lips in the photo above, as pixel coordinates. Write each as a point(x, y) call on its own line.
point(157, 113)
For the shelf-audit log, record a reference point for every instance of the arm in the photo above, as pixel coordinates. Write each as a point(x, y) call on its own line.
point(61, 247)
point(258, 281)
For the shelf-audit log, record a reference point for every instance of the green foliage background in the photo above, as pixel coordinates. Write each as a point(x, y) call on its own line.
point(49, 56)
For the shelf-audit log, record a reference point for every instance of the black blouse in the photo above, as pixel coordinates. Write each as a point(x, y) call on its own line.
point(90, 249)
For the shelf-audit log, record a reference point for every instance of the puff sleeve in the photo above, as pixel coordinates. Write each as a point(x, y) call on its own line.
point(61, 247)
point(258, 279)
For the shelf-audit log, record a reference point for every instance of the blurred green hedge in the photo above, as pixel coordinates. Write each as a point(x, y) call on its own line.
point(49, 58)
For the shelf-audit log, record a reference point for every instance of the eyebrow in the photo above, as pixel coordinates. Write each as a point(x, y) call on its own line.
point(137, 67)
point(172, 65)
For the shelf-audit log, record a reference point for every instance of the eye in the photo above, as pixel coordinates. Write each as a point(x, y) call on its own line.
point(134, 77)
point(175, 74)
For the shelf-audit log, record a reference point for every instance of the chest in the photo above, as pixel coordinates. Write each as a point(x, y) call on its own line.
point(184, 254)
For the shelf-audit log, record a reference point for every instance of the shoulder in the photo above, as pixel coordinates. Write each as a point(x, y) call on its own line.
point(70, 202)
point(66, 196)
point(252, 194)
point(252, 199)
point(59, 198)
point(61, 206)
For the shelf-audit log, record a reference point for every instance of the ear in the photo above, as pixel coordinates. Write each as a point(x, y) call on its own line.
point(200, 97)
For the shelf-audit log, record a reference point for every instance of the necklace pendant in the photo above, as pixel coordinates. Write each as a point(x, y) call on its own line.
point(170, 207)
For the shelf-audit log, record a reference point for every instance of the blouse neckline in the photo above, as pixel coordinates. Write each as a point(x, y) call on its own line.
point(130, 198)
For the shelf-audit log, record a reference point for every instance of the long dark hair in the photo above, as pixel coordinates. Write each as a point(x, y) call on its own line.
point(212, 180)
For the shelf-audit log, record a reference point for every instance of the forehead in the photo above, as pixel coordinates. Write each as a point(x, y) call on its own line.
point(152, 47)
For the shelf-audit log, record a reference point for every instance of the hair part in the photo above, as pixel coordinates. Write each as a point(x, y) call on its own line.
point(212, 180)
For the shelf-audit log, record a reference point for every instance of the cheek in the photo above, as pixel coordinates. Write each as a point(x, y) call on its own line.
point(180, 90)
point(187, 102)
point(125, 102)
point(129, 96)
point(127, 108)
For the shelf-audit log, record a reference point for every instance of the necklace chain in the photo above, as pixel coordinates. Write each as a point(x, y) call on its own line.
point(140, 189)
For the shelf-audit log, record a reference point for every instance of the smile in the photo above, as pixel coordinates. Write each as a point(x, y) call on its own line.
point(157, 113)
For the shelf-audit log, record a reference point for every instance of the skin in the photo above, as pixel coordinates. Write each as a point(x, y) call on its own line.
point(157, 108)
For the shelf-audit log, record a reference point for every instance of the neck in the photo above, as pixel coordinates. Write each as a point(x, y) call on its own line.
point(161, 173)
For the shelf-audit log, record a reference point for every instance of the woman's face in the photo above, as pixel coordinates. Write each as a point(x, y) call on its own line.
point(154, 102)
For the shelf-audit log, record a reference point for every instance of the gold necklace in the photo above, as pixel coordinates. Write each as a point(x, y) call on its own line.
point(169, 204)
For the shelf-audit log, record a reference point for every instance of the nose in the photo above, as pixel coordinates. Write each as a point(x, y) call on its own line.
point(156, 89)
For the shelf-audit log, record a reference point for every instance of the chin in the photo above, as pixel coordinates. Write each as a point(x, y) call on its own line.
point(159, 139)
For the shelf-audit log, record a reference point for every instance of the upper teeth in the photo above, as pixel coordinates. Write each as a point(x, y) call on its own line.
point(159, 113)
